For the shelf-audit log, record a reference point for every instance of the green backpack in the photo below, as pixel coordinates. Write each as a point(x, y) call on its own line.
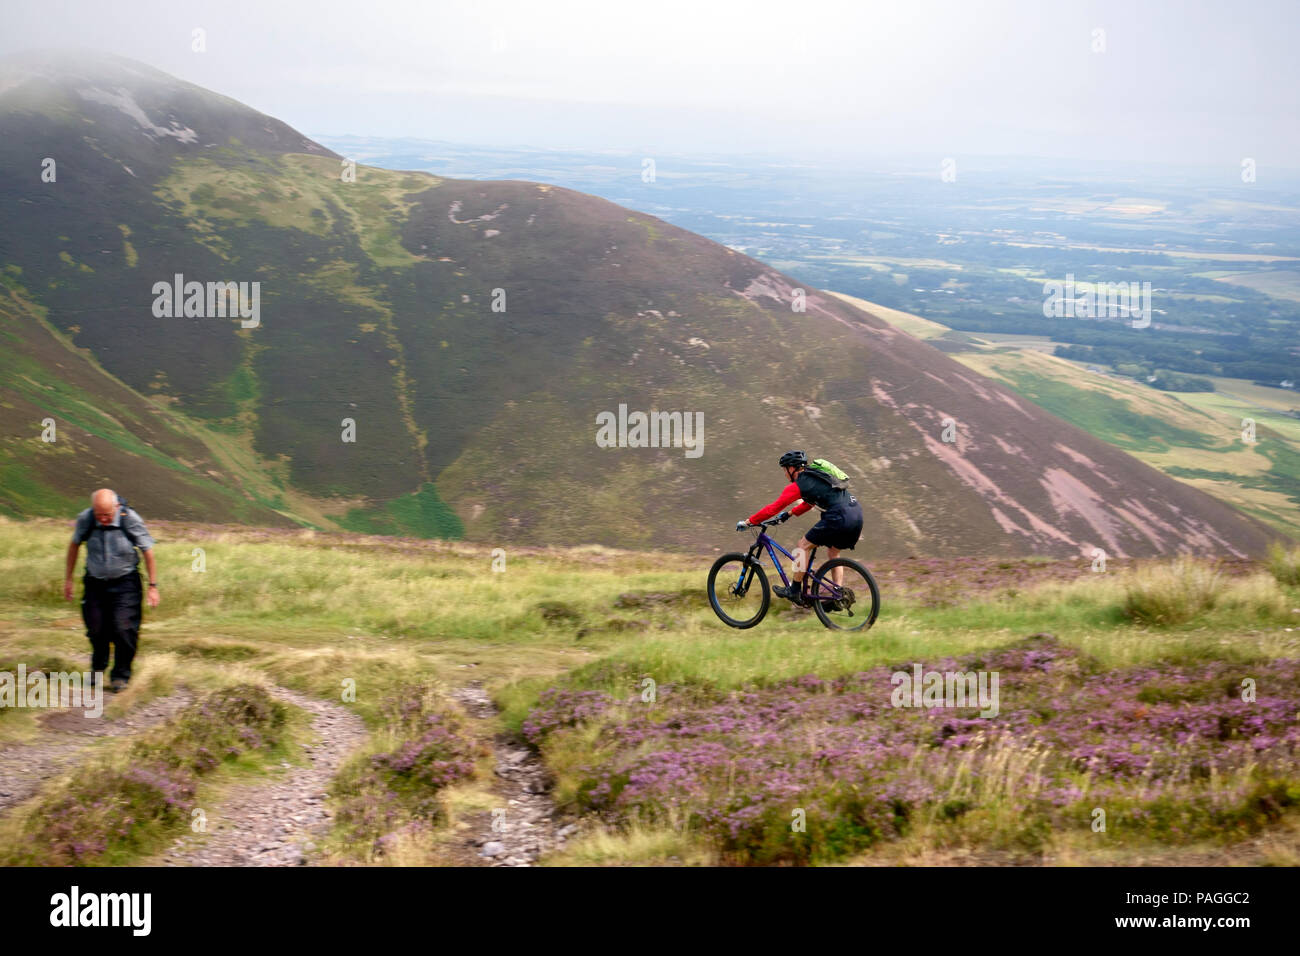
point(824, 469)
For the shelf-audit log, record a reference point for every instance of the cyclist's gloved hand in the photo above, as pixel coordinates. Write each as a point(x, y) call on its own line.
point(783, 517)
point(742, 524)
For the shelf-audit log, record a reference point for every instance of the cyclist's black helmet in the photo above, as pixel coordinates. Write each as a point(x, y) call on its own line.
point(796, 459)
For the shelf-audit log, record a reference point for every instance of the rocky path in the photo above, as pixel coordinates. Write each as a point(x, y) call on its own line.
point(274, 823)
point(522, 827)
point(66, 734)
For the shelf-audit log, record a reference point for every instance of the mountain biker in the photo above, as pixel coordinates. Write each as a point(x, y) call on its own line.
point(840, 526)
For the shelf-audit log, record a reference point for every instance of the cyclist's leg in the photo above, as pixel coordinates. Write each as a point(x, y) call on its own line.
point(810, 559)
point(803, 556)
point(837, 574)
point(824, 532)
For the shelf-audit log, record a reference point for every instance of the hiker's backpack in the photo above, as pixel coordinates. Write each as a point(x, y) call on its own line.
point(833, 476)
point(122, 511)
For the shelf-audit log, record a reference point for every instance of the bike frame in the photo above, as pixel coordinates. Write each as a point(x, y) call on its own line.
point(765, 540)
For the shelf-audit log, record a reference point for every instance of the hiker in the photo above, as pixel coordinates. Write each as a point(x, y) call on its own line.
point(110, 604)
point(817, 484)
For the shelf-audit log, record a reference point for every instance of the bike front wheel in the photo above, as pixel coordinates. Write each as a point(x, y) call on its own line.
point(852, 603)
point(738, 590)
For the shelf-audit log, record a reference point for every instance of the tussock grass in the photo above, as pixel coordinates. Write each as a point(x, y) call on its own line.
point(1189, 589)
point(1164, 595)
point(1284, 564)
point(326, 672)
point(635, 845)
point(1256, 599)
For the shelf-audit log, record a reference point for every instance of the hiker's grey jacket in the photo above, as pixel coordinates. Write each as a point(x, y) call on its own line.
point(109, 552)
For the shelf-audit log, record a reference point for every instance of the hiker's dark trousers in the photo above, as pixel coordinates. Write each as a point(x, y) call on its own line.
point(111, 610)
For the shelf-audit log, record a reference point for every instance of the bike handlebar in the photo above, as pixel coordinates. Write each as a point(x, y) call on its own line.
point(777, 519)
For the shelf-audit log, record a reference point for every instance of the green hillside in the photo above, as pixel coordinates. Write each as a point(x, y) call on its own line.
point(1192, 436)
point(432, 356)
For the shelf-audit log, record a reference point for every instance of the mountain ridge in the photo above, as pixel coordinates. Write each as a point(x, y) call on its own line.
point(380, 306)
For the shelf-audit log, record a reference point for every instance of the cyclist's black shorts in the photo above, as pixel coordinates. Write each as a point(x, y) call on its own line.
point(840, 527)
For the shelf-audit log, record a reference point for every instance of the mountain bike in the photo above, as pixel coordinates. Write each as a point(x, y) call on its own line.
point(740, 595)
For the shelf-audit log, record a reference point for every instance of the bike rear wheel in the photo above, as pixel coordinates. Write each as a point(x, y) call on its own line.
point(738, 590)
point(850, 606)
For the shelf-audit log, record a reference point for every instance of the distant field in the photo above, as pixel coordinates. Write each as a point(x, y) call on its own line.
point(1234, 401)
point(1132, 207)
point(1283, 284)
point(874, 261)
point(1156, 250)
point(912, 324)
point(1037, 342)
point(1278, 399)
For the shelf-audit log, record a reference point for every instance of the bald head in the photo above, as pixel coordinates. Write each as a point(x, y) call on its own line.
point(104, 504)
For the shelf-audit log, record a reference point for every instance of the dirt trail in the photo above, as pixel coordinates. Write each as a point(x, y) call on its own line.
point(527, 828)
point(273, 823)
point(66, 734)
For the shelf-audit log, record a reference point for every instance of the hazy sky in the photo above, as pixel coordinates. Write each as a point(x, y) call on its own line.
point(1183, 82)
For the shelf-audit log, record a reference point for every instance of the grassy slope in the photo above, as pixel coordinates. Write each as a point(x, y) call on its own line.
point(106, 433)
point(309, 611)
point(1192, 436)
point(169, 460)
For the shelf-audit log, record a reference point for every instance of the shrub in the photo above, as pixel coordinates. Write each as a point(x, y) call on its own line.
point(223, 724)
point(399, 785)
point(1255, 597)
point(559, 612)
point(111, 809)
point(1175, 593)
point(1172, 749)
point(1284, 563)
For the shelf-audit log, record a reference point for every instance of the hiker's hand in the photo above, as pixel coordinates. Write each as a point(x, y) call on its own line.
point(153, 597)
point(742, 524)
point(67, 590)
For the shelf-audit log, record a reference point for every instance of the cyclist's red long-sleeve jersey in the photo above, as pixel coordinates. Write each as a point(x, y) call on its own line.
point(791, 493)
